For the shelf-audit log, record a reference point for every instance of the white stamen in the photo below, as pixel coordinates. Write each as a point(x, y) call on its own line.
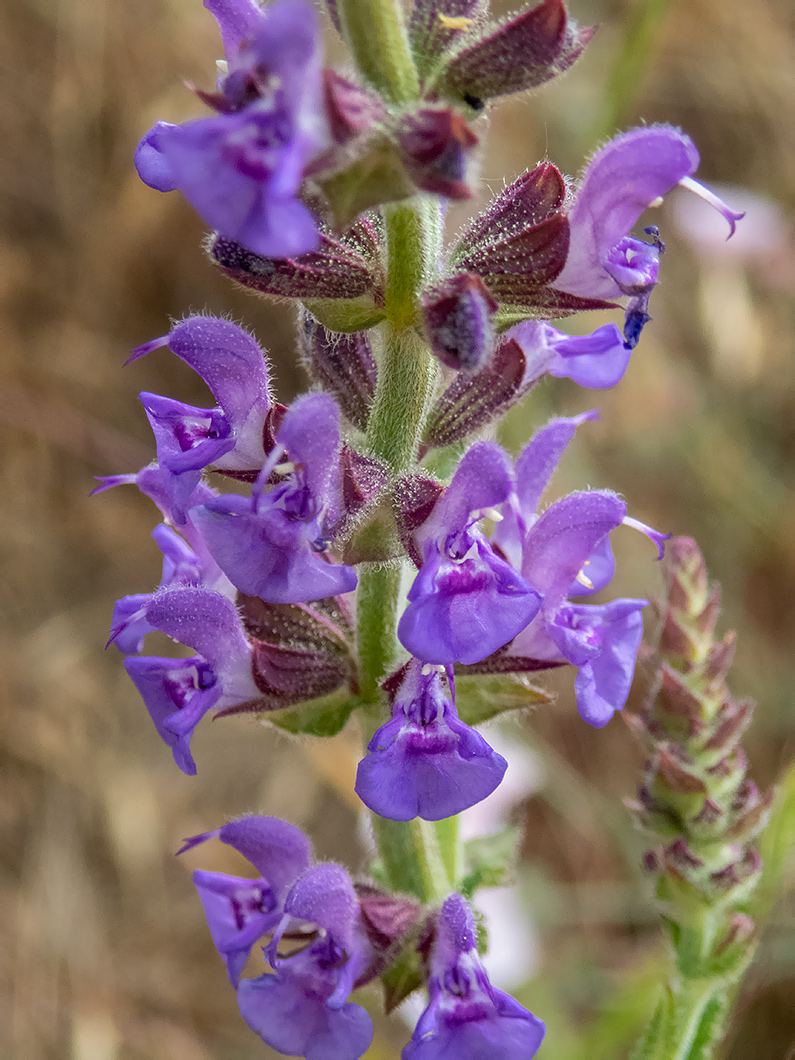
point(656, 202)
point(287, 468)
point(731, 216)
point(583, 579)
point(493, 514)
point(222, 66)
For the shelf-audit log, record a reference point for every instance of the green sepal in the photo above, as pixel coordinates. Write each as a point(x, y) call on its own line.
point(346, 314)
point(378, 176)
point(488, 860)
point(318, 717)
point(481, 698)
point(402, 977)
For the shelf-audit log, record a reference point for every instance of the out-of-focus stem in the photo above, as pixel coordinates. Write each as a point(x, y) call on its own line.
point(377, 36)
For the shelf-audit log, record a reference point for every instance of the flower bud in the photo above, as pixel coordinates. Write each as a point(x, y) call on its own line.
point(471, 401)
point(344, 365)
point(458, 316)
point(436, 144)
point(524, 52)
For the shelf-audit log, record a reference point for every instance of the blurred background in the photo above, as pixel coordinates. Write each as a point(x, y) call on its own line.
point(105, 952)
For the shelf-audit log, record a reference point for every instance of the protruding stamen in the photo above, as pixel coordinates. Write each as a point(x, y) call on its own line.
point(655, 203)
point(222, 66)
point(653, 535)
point(709, 196)
point(654, 232)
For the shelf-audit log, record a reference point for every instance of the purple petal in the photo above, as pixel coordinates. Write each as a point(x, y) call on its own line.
point(310, 432)
point(268, 553)
point(564, 537)
point(598, 569)
point(151, 163)
point(430, 772)
point(233, 366)
point(129, 624)
point(602, 684)
point(462, 612)
point(483, 479)
point(238, 21)
point(623, 179)
point(494, 1037)
point(187, 438)
point(175, 690)
point(209, 623)
point(281, 1011)
point(597, 361)
point(242, 181)
point(426, 762)
point(239, 912)
point(278, 850)
point(537, 461)
point(324, 896)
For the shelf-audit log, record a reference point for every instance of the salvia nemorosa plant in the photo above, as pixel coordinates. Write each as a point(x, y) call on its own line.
point(371, 550)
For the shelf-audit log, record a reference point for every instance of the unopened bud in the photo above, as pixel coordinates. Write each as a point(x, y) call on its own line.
point(741, 930)
point(471, 401)
point(344, 365)
point(512, 56)
point(437, 145)
point(458, 315)
point(677, 777)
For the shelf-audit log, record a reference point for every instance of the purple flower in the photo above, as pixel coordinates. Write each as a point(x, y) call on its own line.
point(426, 762)
point(181, 566)
point(242, 170)
point(565, 552)
point(466, 601)
point(626, 176)
point(597, 361)
point(233, 366)
point(173, 494)
point(179, 692)
point(303, 1009)
point(272, 545)
point(467, 1018)
point(241, 911)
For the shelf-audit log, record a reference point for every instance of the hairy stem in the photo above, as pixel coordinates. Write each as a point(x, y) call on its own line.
point(377, 36)
point(414, 860)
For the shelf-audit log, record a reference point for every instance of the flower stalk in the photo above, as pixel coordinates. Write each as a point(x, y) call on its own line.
point(697, 802)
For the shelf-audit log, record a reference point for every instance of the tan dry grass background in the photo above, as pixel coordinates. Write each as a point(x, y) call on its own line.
point(105, 954)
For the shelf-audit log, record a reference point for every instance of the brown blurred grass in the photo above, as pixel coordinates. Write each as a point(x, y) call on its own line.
point(105, 953)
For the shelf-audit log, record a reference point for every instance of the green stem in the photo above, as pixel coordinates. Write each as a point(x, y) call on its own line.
point(414, 860)
point(376, 602)
point(377, 36)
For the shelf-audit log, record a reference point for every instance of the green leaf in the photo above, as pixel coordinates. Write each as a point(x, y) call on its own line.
point(488, 860)
point(710, 1029)
point(319, 717)
point(777, 848)
point(485, 697)
point(652, 1045)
